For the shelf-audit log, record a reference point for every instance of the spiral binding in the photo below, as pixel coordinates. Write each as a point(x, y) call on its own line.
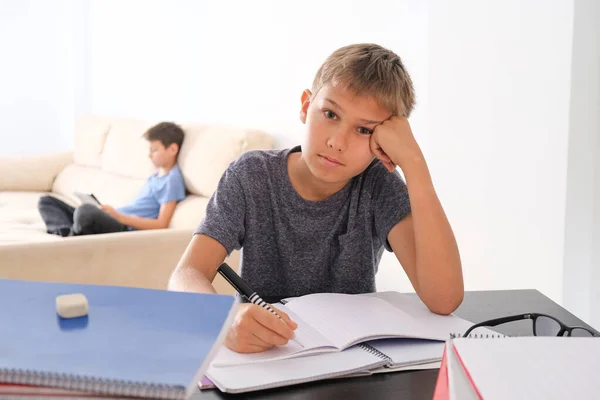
point(374, 351)
point(479, 336)
point(91, 385)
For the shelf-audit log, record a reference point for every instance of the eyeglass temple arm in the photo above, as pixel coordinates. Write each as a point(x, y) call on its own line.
point(499, 321)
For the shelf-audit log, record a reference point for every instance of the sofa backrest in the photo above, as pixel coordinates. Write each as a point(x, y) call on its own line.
point(111, 161)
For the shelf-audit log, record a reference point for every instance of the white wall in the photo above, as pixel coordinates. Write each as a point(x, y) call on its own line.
point(582, 222)
point(36, 75)
point(233, 62)
point(498, 115)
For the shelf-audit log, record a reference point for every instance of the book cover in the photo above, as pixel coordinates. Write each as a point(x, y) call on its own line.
point(152, 343)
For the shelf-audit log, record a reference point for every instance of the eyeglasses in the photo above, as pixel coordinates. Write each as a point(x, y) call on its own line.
point(542, 324)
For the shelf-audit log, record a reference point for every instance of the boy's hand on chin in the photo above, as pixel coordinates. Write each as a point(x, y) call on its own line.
point(393, 143)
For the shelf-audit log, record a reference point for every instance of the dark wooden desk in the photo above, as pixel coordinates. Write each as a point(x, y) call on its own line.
point(476, 307)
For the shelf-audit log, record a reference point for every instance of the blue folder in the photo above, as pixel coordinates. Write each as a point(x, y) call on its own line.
point(139, 342)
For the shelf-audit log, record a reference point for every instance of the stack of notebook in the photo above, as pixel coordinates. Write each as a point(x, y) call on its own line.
point(133, 342)
point(342, 335)
point(520, 368)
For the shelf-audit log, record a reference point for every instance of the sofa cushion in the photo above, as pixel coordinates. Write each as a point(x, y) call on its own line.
point(20, 220)
point(34, 173)
point(90, 135)
point(189, 212)
point(126, 151)
point(208, 150)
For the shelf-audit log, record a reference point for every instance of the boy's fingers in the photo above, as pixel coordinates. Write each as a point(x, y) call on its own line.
point(387, 163)
point(286, 318)
point(374, 146)
point(258, 342)
point(383, 157)
point(379, 153)
point(270, 321)
point(385, 160)
point(265, 336)
point(251, 344)
point(375, 149)
point(250, 337)
point(390, 166)
point(250, 348)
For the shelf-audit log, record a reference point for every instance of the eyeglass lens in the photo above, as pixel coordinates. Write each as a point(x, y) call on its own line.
point(581, 332)
point(544, 326)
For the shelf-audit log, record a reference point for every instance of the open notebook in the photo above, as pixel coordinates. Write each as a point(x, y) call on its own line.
point(332, 322)
point(342, 336)
point(388, 355)
point(520, 368)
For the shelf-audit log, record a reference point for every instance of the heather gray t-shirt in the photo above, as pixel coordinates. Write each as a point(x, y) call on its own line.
point(292, 246)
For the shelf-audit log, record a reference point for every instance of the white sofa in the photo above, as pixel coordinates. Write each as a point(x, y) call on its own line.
point(110, 159)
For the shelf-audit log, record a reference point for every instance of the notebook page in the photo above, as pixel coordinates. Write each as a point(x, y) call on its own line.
point(348, 319)
point(532, 367)
point(243, 378)
point(441, 325)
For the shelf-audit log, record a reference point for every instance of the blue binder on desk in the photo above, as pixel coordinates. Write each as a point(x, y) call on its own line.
point(133, 342)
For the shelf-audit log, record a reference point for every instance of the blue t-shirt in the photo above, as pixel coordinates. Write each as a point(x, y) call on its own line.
point(156, 191)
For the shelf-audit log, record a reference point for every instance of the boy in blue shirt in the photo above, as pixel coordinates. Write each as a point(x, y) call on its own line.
point(152, 208)
point(317, 217)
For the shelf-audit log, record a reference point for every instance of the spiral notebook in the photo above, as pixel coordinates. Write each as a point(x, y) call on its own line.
point(342, 336)
point(519, 368)
point(332, 322)
point(359, 360)
point(133, 342)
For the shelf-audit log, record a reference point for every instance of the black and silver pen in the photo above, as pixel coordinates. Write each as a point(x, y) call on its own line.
point(243, 289)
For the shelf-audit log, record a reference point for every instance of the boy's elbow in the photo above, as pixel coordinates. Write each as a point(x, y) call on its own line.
point(151, 226)
point(163, 225)
point(448, 304)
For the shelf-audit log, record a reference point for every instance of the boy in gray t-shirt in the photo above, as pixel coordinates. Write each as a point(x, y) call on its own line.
point(317, 217)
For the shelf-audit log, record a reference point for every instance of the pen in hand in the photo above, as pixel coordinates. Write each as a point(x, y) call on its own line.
point(243, 289)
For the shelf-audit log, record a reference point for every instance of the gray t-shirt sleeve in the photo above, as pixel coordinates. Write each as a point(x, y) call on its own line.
point(391, 204)
point(225, 213)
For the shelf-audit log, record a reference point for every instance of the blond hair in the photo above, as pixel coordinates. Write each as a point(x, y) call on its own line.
point(371, 70)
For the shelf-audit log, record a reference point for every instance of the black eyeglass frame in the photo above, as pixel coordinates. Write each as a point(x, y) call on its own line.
point(532, 316)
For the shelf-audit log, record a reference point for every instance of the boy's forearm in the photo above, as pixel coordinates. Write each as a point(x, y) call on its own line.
point(438, 264)
point(141, 223)
point(187, 279)
point(198, 265)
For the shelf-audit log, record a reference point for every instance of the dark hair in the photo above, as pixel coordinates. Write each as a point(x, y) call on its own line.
point(167, 133)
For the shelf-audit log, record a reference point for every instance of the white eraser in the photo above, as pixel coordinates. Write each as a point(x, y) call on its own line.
point(71, 305)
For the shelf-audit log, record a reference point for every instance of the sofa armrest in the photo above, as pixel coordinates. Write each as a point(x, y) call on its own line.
point(32, 173)
point(142, 259)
